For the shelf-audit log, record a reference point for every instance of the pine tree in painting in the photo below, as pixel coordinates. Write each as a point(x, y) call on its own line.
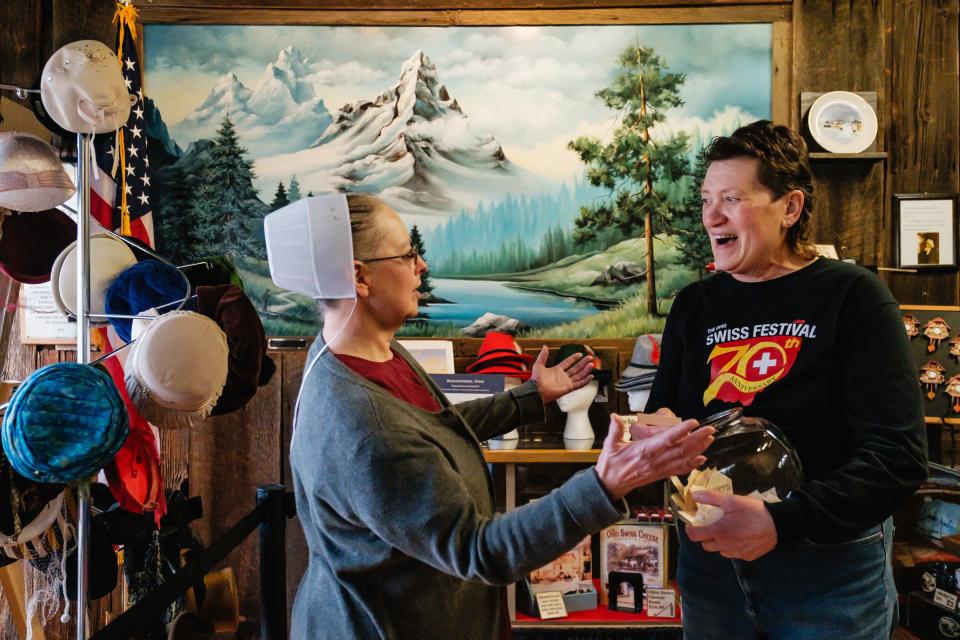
point(279, 198)
point(172, 220)
point(294, 193)
point(228, 214)
point(635, 170)
point(694, 243)
point(416, 242)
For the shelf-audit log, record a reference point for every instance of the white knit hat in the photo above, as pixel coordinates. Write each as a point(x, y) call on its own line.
point(83, 90)
point(108, 258)
point(32, 178)
point(177, 368)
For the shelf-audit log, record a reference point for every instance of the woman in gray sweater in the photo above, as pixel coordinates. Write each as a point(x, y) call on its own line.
point(391, 486)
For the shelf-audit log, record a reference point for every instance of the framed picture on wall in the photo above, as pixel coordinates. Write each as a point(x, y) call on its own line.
point(926, 228)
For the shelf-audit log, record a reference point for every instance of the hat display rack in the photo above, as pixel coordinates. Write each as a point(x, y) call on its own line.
point(88, 60)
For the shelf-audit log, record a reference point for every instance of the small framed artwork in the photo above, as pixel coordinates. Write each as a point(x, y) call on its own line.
point(435, 356)
point(926, 228)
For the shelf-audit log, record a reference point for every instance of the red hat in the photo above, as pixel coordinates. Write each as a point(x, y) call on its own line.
point(507, 370)
point(500, 347)
point(134, 475)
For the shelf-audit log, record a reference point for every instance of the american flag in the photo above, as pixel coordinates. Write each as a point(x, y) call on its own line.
point(121, 200)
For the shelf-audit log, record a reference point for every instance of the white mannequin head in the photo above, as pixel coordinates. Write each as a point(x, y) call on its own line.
point(638, 399)
point(577, 433)
point(580, 399)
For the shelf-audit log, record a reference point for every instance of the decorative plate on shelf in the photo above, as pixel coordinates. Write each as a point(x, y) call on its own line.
point(842, 122)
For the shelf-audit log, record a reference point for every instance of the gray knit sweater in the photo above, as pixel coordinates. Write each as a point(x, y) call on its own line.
point(398, 510)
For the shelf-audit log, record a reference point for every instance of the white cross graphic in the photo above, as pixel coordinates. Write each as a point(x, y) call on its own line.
point(764, 363)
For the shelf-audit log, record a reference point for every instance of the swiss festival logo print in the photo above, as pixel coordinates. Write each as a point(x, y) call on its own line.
point(746, 360)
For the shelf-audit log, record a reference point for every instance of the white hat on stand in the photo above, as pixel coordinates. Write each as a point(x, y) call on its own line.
point(177, 368)
point(83, 90)
point(108, 258)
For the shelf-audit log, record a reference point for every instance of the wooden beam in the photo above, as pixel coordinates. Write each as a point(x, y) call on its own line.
point(470, 17)
point(440, 5)
point(781, 87)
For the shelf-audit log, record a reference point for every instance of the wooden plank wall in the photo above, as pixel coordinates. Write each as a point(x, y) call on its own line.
point(905, 50)
point(828, 38)
point(923, 136)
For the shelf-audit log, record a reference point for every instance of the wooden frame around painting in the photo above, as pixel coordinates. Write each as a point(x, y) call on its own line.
point(925, 225)
point(494, 13)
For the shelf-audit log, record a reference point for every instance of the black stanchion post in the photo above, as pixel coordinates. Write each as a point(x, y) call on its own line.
point(273, 564)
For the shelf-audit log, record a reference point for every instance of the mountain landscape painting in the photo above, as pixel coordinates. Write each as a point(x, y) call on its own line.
point(548, 175)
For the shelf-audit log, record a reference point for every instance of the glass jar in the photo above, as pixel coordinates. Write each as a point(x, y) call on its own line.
point(753, 453)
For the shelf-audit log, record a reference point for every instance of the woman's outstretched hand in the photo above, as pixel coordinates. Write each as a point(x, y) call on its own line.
point(653, 454)
point(562, 378)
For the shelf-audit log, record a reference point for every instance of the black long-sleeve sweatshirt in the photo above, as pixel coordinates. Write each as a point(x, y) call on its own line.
point(821, 353)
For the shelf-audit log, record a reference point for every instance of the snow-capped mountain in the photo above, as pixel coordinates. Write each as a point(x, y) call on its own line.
point(412, 144)
point(280, 114)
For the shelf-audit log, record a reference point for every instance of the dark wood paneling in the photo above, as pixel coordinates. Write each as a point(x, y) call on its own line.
point(230, 456)
point(290, 366)
point(82, 20)
point(842, 45)
point(849, 209)
point(924, 114)
point(20, 56)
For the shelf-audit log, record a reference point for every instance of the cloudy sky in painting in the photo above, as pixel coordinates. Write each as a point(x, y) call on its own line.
point(533, 88)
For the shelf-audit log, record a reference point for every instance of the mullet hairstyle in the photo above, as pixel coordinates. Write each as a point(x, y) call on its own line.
point(784, 166)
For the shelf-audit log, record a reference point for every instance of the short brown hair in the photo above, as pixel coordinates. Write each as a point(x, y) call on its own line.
point(784, 167)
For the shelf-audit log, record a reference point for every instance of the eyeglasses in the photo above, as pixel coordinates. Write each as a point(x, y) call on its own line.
point(411, 255)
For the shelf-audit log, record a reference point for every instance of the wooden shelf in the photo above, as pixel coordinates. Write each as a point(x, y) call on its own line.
point(531, 456)
point(868, 156)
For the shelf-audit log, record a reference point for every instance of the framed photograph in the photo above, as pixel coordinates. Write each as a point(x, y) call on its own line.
point(926, 228)
point(435, 356)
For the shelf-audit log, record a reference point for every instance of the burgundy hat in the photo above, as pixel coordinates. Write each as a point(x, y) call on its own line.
point(501, 347)
point(248, 364)
point(31, 242)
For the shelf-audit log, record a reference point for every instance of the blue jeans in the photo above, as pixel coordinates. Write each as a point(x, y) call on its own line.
point(798, 591)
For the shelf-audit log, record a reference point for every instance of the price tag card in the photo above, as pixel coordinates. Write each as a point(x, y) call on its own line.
point(948, 600)
point(661, 603)
point(550, 604)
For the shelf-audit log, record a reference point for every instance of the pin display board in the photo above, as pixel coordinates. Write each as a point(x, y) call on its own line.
point(940, 407)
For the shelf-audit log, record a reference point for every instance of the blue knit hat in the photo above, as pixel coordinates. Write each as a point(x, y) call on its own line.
point(145, 285)
point(64, 423)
